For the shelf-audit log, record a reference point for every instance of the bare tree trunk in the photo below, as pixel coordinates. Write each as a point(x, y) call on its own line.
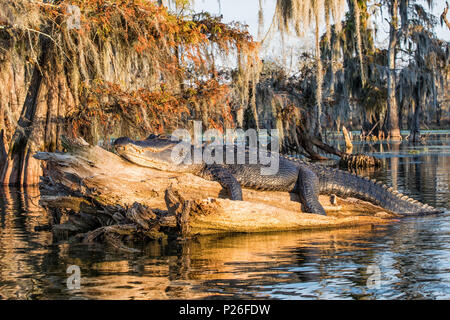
point(357, 13)
point(438, 114)
point(319, 80)
point(15, 169)
point(436, 104)
point(444, 15)
point(3, 152)
point(40, 124)
point(420, 103)
point(392, 123)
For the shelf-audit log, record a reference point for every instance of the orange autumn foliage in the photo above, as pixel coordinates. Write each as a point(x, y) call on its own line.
point(182, 82)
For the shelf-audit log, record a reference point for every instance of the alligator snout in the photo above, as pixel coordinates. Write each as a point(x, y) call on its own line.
point(123, 141)
point(126, 145)
point(128, 148)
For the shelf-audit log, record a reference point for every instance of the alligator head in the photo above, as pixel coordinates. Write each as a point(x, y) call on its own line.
point(154, 152)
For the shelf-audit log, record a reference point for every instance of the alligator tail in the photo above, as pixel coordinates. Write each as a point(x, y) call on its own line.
point(346, 184)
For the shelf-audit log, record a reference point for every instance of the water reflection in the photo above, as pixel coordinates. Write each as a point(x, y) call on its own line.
point(419, 171)
point(413, 255)
point(21, 249)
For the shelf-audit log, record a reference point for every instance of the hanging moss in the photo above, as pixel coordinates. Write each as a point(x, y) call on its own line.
point(132, 67)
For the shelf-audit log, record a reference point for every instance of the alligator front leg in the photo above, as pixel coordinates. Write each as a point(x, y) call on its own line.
point(226, 180)
point(308, 190)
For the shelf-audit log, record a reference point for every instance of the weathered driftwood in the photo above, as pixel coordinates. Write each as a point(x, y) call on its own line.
point(94, 194)
point(348, 140)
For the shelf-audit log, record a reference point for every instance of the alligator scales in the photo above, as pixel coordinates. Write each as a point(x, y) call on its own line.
point(294, 176)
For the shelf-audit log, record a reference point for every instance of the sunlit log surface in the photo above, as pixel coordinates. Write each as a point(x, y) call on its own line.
point(95, 194)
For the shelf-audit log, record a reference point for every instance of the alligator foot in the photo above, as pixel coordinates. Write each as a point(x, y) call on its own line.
point(225, 178)
point(308, 190)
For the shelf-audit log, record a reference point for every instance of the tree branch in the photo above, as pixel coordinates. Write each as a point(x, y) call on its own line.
point(444, 16)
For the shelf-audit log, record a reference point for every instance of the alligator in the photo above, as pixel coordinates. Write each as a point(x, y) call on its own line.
point(308, 180)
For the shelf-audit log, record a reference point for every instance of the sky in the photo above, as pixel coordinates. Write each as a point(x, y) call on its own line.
point(246, 11)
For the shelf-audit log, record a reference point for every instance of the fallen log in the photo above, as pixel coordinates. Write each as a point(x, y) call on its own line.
point(96, 195)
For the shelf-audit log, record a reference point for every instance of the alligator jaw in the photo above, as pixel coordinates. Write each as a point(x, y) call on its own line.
point(136, 155)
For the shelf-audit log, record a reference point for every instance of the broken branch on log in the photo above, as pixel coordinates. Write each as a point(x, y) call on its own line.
point(348, 140)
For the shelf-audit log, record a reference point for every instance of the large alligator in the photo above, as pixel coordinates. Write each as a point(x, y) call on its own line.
point(294, 175)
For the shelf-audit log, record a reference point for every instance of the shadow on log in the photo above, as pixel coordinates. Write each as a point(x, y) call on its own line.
point(95, 196)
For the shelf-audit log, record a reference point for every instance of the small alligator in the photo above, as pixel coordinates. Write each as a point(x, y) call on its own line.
point(294, 175)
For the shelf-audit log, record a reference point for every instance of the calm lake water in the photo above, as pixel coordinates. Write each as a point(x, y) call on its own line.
point(408, 259)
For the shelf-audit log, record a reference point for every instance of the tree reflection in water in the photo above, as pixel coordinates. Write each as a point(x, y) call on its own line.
point(413, 254)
